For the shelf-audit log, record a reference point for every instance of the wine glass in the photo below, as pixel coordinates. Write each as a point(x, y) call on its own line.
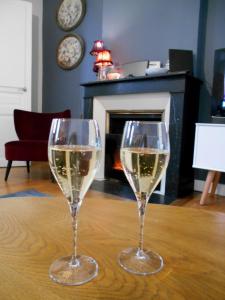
point(144, 156)
point(74, 150)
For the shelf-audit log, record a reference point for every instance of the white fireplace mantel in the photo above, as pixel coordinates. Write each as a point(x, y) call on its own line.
point(146, 102)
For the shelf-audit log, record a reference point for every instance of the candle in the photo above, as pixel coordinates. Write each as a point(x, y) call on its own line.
point(113, 75)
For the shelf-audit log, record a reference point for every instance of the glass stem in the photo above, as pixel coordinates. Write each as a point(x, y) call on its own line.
point(74, 215)
point(141, 233)
point(141, 210)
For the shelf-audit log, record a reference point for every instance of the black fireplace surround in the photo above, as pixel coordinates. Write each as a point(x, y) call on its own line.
point(184, 90)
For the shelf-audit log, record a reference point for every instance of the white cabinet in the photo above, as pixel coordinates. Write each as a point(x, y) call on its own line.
point(209, 154)
point(209, 150)
point(15, 65)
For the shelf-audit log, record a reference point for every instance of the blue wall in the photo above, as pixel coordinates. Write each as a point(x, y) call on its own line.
point(61, 89)
point(215, 37)
point(215, 25)
point(134, 30)
point(146, 29)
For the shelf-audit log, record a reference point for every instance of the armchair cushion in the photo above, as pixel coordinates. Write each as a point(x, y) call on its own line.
point(27, 150)
point(33, 125)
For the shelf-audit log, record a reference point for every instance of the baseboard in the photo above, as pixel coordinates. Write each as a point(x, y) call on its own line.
point(199, 185)
point(3, 163)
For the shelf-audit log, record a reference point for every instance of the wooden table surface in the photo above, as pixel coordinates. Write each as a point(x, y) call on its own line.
point(36, 231)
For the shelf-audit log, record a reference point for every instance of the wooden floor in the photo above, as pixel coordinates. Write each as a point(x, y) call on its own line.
point(39, 179)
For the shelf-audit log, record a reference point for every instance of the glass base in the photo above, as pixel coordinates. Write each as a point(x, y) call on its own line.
point(83, 270)
point(142, 262)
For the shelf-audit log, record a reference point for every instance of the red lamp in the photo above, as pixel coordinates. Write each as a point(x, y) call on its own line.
point(103, 59)
point(97, 47)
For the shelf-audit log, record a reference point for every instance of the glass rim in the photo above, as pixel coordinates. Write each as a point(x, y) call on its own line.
point(78, 119)
point(74, 119)
point(146, 122)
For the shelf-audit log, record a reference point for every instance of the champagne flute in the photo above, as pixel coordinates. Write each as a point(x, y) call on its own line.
point(144, 156)
point(74, 154)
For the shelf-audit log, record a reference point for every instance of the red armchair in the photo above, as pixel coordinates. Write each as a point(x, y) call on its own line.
point(32, 129)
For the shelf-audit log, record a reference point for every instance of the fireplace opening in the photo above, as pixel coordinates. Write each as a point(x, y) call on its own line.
point(115, 125)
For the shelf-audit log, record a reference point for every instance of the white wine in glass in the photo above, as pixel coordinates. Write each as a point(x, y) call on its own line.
point(74, 154)
point(144, 156)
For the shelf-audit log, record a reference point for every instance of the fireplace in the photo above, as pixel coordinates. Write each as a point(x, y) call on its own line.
point(116, 121)
point(111, 113)
point(175, 96)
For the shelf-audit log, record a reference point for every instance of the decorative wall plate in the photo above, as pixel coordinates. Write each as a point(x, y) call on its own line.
point(70, 51)
point(70, 13)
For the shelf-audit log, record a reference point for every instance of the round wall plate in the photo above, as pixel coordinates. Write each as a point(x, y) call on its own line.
point(70, 13)
point(70, 51)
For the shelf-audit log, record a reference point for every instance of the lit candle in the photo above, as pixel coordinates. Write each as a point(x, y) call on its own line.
point(113, 75)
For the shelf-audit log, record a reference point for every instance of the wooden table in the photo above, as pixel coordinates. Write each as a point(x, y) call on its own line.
point(36, 231)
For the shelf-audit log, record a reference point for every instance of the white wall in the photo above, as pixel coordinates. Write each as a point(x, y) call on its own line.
point(37, 12)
